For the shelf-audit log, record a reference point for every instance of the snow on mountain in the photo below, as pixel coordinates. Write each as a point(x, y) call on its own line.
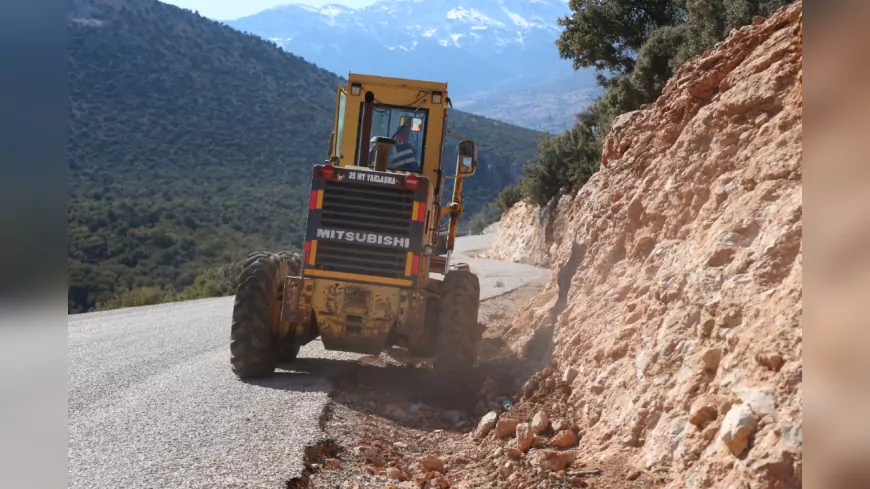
point(479, 47)
point(506, 21)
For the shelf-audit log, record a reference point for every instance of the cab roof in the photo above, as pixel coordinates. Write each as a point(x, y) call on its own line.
point(396, 82)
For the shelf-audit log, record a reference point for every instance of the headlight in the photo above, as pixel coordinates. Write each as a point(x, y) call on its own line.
point(428, 250)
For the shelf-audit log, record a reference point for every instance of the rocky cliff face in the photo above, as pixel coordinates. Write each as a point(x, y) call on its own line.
point(529, 234)
point(677, 300)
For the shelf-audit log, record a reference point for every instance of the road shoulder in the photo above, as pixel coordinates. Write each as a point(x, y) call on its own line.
point(383, 414)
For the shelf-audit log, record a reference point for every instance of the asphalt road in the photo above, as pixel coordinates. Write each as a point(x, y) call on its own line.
point(152, 402)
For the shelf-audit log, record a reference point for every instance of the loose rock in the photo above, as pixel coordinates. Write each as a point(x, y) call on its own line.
point(514, 453)
point(505, 427)
point(554, 461)
point(540, 422)
point(702, 415)
point(394, 473)
point(569, 375)
point(737, 428)
point(487, 423)
point(524, 437)
point(431, 463)
point(703, 411)
point(711, 359)
point(564, 439)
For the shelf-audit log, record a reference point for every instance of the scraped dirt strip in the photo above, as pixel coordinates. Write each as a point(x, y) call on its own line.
point(391, 425)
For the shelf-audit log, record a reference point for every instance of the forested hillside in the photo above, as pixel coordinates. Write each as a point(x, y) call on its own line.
point(190, 145)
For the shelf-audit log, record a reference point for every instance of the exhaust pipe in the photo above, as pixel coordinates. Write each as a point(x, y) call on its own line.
point(382, 151)
point(366, 135)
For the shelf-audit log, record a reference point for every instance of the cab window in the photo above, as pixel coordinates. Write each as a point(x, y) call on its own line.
point(408, 127)
point(339, 130)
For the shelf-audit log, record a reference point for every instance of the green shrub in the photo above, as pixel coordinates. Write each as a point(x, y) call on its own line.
point(564, 162)
point(508, 197)
point(219, 281)
point(140, 296)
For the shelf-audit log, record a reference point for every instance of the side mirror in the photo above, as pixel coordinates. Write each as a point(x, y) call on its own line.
point(466, 162)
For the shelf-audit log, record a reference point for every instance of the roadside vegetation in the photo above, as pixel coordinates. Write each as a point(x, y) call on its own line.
point(190, 145)
point(635, 46)
point(217, 281)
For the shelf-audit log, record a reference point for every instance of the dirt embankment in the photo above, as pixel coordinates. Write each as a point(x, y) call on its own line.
point(666, 350)
point(677, 299)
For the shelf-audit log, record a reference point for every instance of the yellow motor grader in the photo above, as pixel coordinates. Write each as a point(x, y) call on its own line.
point(375, 271)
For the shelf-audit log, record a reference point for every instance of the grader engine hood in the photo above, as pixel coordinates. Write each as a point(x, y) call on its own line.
point(365, 226)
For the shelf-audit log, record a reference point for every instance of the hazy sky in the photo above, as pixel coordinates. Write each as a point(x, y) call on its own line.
point(233, 9)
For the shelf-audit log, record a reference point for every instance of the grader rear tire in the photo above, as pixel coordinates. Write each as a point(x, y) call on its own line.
point(458, 335)
point(254, 348)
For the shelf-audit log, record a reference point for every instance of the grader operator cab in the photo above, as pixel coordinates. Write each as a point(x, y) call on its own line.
point(376, 268)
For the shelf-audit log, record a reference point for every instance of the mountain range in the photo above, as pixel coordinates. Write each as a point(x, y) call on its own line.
point(498, 56)
point(190, 144)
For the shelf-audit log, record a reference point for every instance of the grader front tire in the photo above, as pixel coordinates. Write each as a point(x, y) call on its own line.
point(458, 335)
point(254, 348)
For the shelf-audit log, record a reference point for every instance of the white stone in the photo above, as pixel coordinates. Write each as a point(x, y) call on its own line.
point(569, 375)
point(761, 401)
point(737, 428)
point(540, 422)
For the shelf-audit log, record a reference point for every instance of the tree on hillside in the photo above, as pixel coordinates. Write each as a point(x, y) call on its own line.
point(637, 45)
point(608, 34)
point(563, 162)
